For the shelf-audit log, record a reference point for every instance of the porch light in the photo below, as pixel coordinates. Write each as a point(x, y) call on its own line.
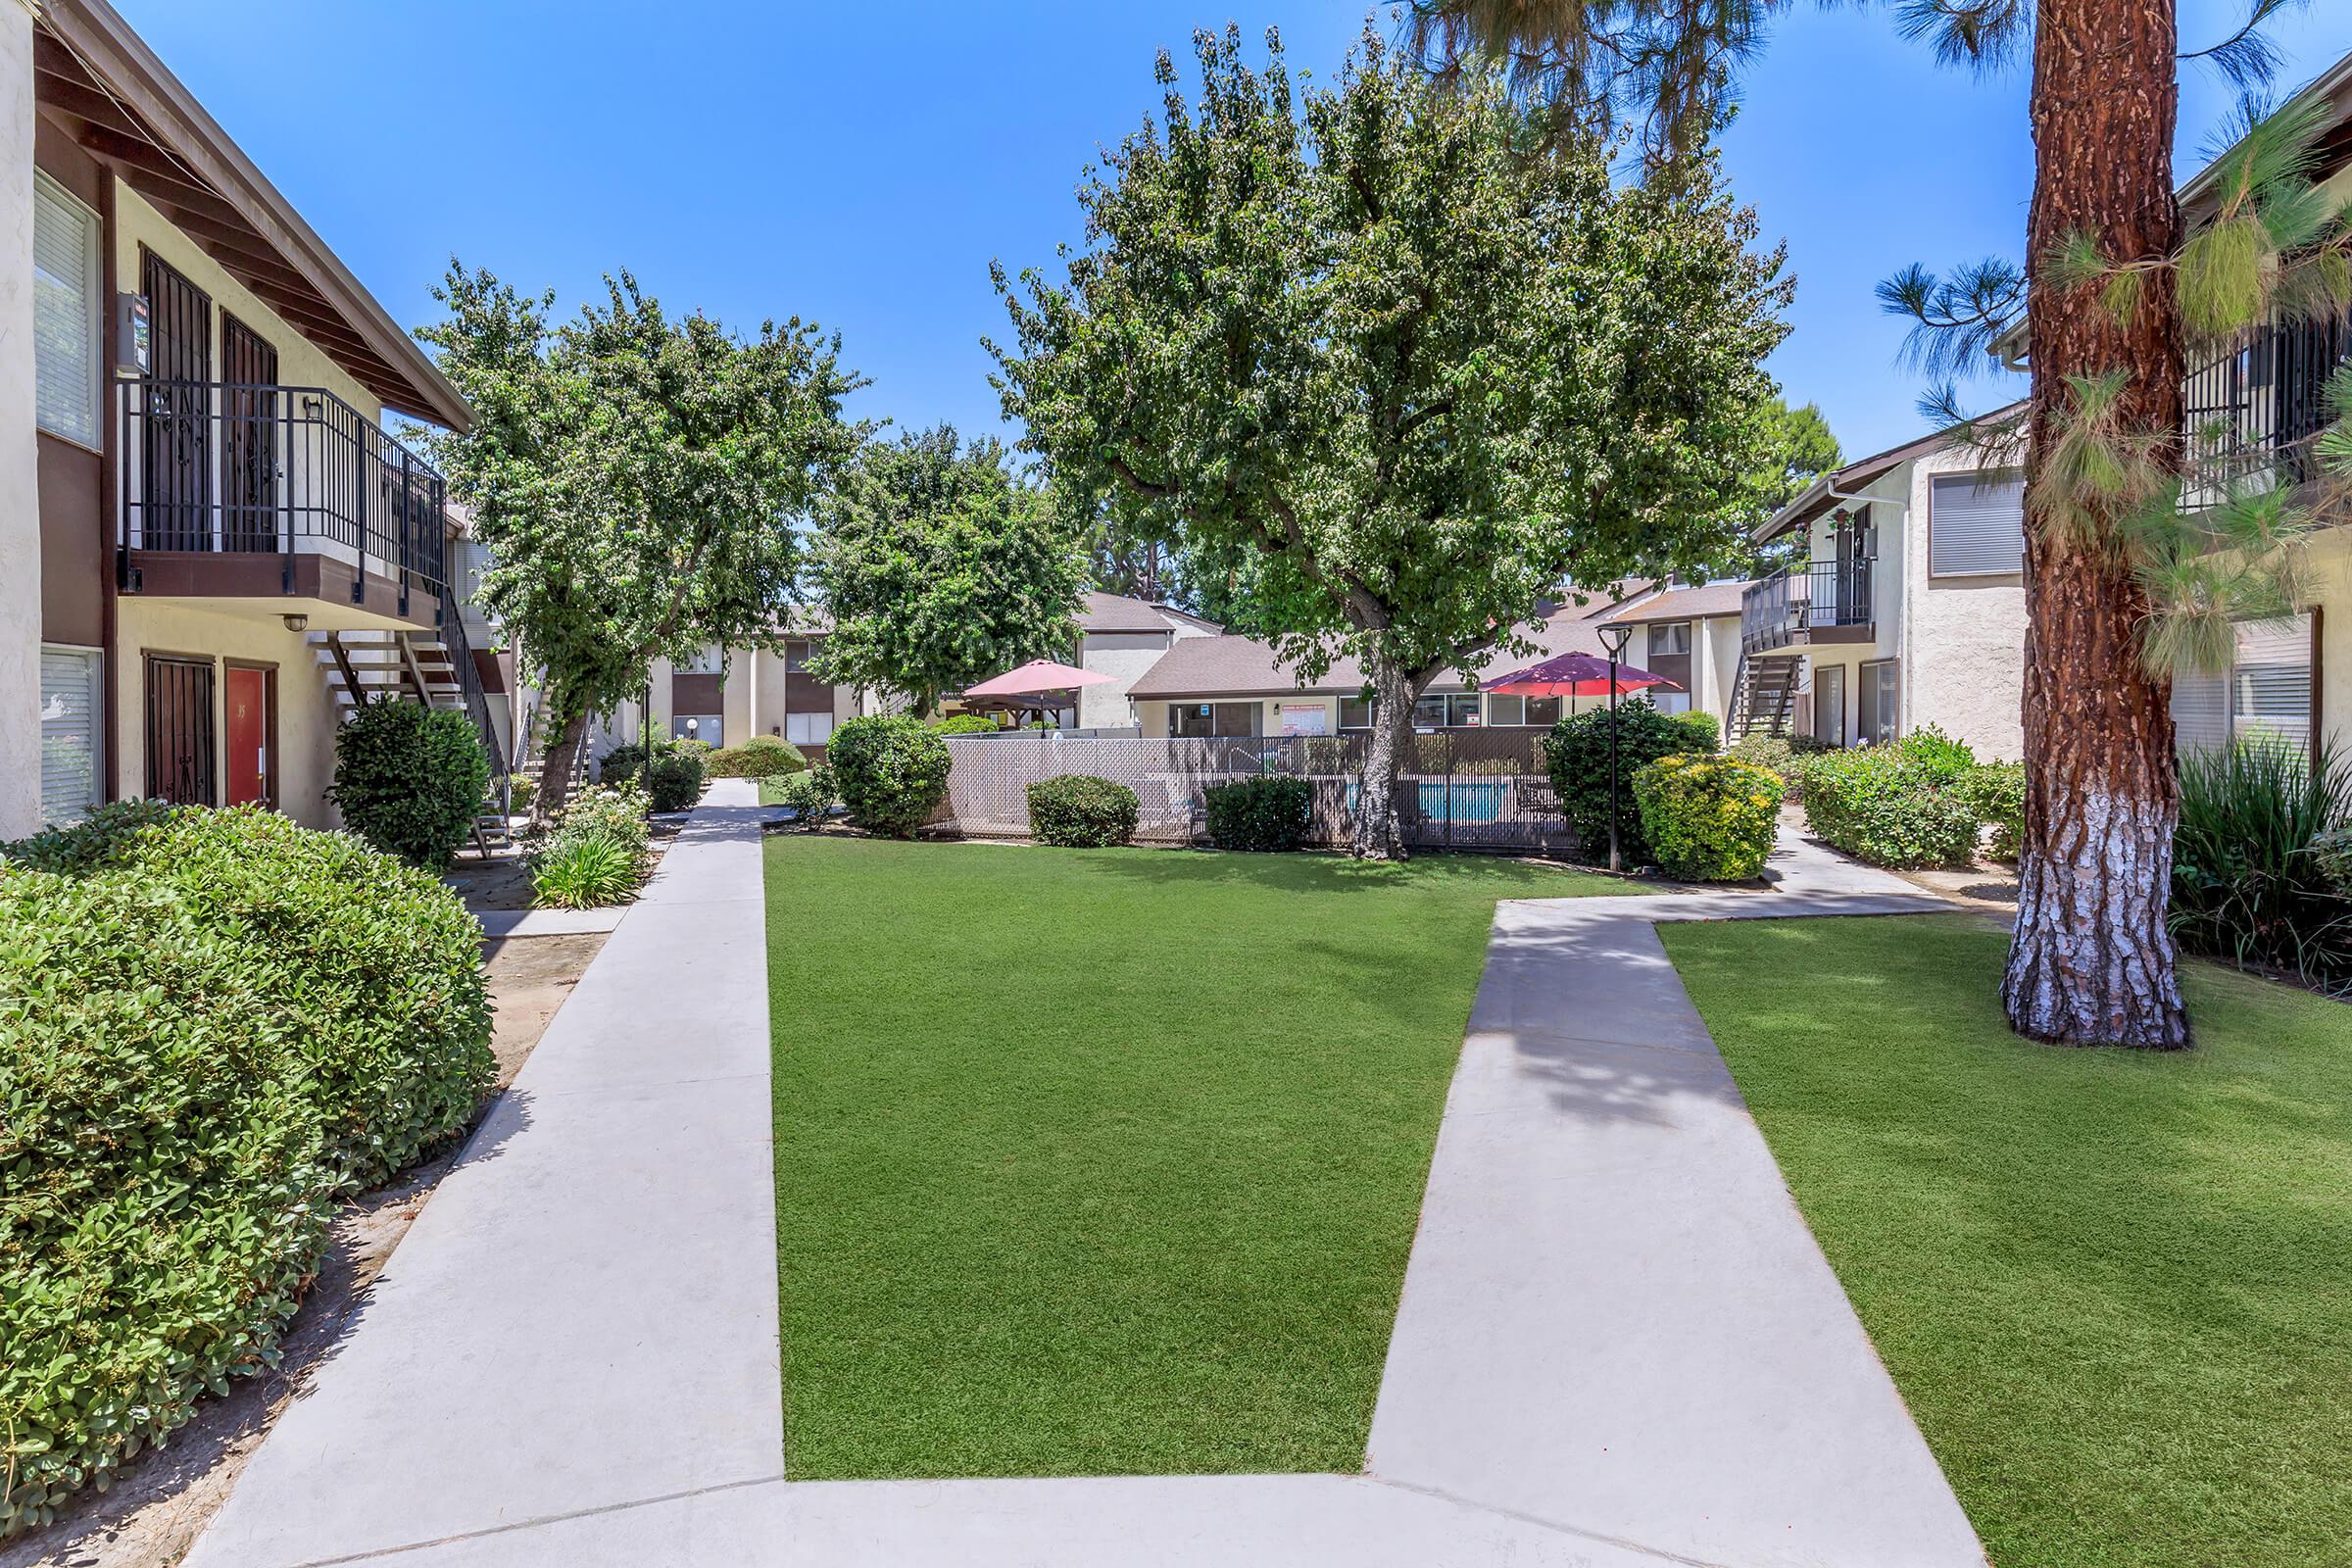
point(296, 622)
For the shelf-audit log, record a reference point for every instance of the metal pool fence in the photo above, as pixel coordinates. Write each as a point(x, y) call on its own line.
point(1473, 789)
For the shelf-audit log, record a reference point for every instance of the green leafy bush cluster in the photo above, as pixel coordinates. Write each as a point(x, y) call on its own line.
point(1998, 790)
point(1577, 754)
point(409, 779)
point(521, 791)
point(1784, 754)
point(1708, 818)
point(1704, 726)
point(809, 796)
point(1902, 806)
point(892, 772)
point(671, 775)
point(2259, 859)
point(760, 757)
point(592, 854)
point(966, 724)
point(1080, 811)
point(212, 1029)
point(1269, 813)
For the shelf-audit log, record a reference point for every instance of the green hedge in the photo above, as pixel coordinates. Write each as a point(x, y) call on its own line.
point(1903, 805)
point(409, 779)
point(1705, 728)
point(966, 724)
point(760, 757)
point(1269, 813)
point(1708, 819)
point(1784, 754)
point(1998, 792)
point(675, 779)
point(217, 1026)
point(892, 772)
point(1577, 754)
point(1079, 811)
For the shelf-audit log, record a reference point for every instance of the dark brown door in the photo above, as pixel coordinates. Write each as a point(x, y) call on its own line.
point(249, 438)
point(179, 730)
point(175, 458)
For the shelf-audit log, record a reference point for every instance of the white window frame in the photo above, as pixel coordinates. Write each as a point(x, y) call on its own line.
point(93, 282)
point(1975, 477)
point(96, 657)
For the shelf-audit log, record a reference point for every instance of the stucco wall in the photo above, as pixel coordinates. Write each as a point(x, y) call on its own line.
point(307, 715)
point(20, 457)
point(2331, 574)
point(1123, 655)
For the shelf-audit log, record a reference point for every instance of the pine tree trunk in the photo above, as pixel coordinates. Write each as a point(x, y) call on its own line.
point(556, 768)
point(1379, 836)
point(2091, 962)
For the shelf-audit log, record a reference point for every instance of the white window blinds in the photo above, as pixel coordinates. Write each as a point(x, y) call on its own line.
point(69, 703)
point(65, 314)
point(2264, 697)
point(1976, 523)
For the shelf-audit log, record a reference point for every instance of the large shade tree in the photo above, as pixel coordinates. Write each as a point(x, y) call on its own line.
point(635, 477)
point(1393, 369)
point(942, 567)
point(2116, 583)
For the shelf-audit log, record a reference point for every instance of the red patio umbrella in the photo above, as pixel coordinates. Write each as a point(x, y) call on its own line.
point(1576, 675)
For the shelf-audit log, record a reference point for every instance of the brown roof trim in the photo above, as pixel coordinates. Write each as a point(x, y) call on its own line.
point(1818, 496)
point(98, 79)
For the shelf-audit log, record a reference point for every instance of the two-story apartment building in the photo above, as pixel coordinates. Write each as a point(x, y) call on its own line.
point(210, 542)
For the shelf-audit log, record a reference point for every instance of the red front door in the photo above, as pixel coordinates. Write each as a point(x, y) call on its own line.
point(249, 727)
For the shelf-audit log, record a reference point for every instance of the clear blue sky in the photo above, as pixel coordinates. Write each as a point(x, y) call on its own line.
point(860, 164)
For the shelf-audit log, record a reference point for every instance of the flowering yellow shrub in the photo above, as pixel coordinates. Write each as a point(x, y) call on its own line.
point(1708, 818)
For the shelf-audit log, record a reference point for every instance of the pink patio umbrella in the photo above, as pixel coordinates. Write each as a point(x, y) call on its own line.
point(1040, 684)
point(1576, 675)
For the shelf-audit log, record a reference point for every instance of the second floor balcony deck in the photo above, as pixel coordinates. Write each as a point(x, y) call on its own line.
point(286, 494)
point(1808, 603)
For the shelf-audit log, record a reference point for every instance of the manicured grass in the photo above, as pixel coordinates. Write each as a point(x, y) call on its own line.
point(2116, 1289)
point(1105, 1161)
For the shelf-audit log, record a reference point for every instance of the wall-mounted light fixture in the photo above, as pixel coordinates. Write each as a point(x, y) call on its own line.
point(296, 622)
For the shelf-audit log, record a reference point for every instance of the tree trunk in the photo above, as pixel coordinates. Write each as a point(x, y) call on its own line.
point(1379, 836)
point(556, 768)
point(2091, 962)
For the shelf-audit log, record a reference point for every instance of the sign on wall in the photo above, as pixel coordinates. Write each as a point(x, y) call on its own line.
point(1302, 719)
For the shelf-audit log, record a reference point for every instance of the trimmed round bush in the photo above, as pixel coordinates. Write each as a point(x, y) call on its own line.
point(1577, 754)
point(1080, 811)
point(1885, 806)
point(892, 772)
point(1266, 814)
point(809, 796)
point(1998, 792)
point(675, 779)
point(1708, 819)
point(409, 779)
point(1705, 728)
point(760, 757)
point(219, 1026)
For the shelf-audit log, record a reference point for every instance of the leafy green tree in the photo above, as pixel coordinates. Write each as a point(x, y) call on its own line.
point(634, 478)
point(2117, 580)
point(941, 567)
point(1801, 450)
point(1394, 371)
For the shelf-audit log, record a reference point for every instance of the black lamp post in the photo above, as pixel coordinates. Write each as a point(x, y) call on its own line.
point(1613, 639)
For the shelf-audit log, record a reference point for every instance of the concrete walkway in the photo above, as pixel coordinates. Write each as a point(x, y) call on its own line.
point(1618, 1345)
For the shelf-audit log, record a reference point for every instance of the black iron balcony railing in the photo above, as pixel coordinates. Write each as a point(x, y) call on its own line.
point(232, 468)
point(2253, 411)
point(1802, 599)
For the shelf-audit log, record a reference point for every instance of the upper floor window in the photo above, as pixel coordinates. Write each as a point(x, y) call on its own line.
point(1976, 524)
point(796, 656)
point(705, 661)
point(64, 312)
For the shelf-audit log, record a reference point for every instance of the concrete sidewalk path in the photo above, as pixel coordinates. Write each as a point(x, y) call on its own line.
point(584, 1316)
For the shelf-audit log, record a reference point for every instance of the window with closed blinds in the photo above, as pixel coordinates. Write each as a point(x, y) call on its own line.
point(70, 699)
point(2265, 696)
point(64, 312)
point(1976, 524)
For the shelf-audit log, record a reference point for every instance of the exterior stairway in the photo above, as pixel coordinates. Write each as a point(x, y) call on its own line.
point(1765, 699)
point(432, 667)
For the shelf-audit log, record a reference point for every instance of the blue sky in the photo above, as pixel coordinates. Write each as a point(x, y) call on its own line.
point(860, 164)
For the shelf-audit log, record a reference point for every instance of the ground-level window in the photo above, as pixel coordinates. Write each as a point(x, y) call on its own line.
point(1829, 703)
point(1875, 709)
point(1666, 701)
point(1205, 720)
point(71, 700)
point(1447, 711)
point(704, 727)
point(2267, 695)
point(1355, 713)
point(1543, 711)
point(809, 729)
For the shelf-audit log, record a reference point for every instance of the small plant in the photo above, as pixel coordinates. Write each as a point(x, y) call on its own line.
point(1708, 819)
point(966, 724)
point(1079, 811)
point(1269, 813)
point(809, 796)
point(619, 810)
point(760, 757)
point(892, 772)
point(674, 780)
point(409, 779)
point(1937, 756)
point(2331, 854)
point(589, 870)
point(1998, 790)
point(521, 791)
point(1577, 753)
point(1894, 807)
point(2257, 857)
point(1704, 726)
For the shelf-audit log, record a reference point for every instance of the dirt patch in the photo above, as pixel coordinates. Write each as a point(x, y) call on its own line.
point(153, 1514)
point(497, 882)
point(1986, 884)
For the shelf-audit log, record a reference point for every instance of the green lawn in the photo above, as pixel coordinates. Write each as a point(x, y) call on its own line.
point(1105, 1161)
point(2116, 1289)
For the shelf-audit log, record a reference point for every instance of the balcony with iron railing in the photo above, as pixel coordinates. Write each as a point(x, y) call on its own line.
point(229, 490)
point(1808, 602)
point(2253, 411)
